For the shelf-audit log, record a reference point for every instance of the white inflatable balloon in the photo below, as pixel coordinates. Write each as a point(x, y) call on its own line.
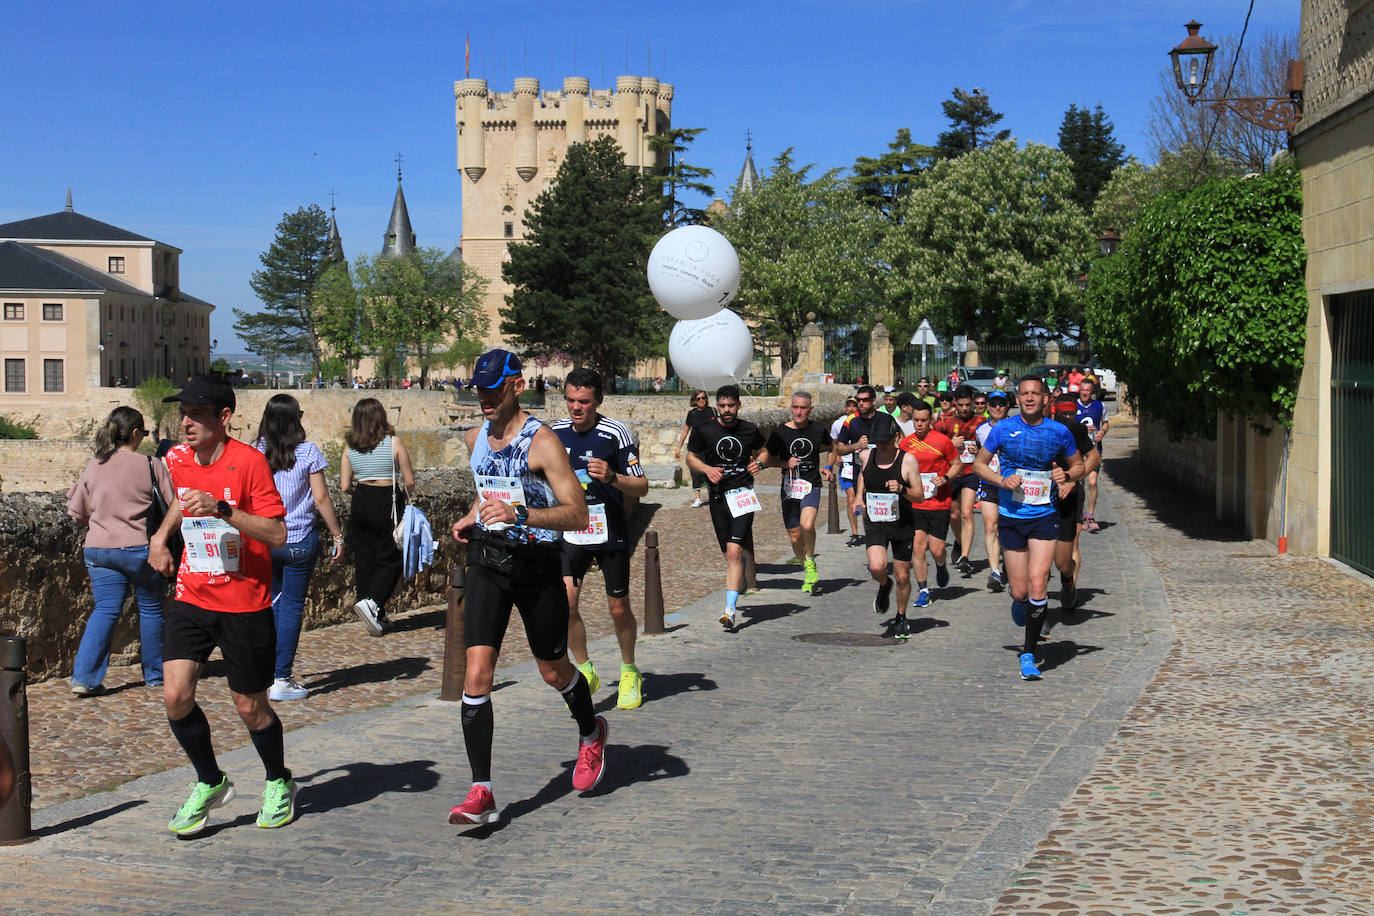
point(710, 352)
point(693, 272)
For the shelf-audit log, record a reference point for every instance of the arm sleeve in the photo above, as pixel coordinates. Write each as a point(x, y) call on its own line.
point(627, 459)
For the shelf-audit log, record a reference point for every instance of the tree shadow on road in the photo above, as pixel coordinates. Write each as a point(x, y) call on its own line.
point(397, 669)
point(661, 686)
point(361, 782)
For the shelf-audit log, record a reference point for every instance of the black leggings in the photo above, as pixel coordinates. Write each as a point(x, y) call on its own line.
point(376, 558)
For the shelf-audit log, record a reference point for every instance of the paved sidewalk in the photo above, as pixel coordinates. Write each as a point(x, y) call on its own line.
point(802, 765)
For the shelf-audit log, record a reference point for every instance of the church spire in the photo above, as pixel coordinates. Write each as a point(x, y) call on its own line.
point(748, 180)
point(399, 237)
point(69, 201)
point(334, 240)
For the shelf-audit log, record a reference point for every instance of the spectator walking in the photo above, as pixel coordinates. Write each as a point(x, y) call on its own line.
point(699, 413)
point(112, 499)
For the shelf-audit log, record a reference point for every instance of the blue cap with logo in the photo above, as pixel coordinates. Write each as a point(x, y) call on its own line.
point(494, 367)
point(997, 394)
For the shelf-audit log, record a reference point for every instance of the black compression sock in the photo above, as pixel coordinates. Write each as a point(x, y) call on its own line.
point(272, 749)
point(193, 734)
point(478, 726)
point(578, 696)
point(1035, 622)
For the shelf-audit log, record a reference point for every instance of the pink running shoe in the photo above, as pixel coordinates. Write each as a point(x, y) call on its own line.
point(1091, 524)
point(478, 808)
point(591, 759)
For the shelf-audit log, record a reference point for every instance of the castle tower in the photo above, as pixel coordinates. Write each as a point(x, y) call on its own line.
point(399, 236)
point(510, 145)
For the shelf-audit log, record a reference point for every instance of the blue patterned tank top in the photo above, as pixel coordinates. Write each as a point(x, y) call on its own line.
point(514, 461)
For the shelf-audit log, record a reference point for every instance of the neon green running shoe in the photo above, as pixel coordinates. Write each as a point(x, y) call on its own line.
point(810, 577)
point(191, 817)
point(589, 672)
point(631, 688)
point(278, 803)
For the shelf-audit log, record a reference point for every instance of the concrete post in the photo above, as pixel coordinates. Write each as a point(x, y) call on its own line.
point(832, 525)
point(653, 586)
point(455, 660)
point(879, 355)
point(810, 358)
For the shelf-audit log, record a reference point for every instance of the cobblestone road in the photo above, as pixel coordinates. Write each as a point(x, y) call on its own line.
point(781, 769)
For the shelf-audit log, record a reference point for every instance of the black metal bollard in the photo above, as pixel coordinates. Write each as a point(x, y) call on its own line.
point(653, 586)
point(16, 790)
point(455, 661)
point(832, 525)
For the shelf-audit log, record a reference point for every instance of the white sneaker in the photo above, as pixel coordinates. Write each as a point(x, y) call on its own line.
point(697, 503)
point(287, 688)
point(727, 620)
point(367, 611)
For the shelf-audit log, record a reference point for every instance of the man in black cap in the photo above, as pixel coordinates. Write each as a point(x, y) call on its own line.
point(230, 517)
point(526, 494)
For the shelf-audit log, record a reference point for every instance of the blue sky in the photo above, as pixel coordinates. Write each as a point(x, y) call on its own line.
point(200, 125)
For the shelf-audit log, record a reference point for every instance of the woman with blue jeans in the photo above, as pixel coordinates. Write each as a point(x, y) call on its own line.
point(112, 498)
point(298, 471)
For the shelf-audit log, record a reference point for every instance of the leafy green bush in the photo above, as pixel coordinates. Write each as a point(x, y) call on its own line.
point(12, 429)
point(149, 397)
point(1203, 307)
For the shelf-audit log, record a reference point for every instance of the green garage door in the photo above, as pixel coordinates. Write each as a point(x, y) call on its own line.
point(1352, 424)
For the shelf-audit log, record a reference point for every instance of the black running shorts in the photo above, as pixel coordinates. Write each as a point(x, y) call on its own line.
point(615, 566)
point(247, 641)
point(739, 530)
point(1070, 513)
point(534, 586)
point(933, 521)
point(894, 536)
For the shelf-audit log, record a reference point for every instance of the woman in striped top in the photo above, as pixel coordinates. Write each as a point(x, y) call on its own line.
point(369, 468)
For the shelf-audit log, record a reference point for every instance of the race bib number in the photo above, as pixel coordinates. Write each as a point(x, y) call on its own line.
point(969, 451)
point(847, 471)
point(794, 487)
point(506, 489)
point(212, 545)
point(1034, 489)
point(882, 507)
point(930, 483)
point(597, 530)
point(742, 501)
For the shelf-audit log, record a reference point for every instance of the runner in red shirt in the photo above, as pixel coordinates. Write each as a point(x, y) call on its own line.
point(230, 516)
point(961, 425)
point(938, 463)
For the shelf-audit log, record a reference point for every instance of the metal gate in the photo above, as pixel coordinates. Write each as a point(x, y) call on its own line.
point(846, 353)
point(1352, 425)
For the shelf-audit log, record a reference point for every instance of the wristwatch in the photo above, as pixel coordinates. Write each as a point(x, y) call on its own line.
point(223, 509)
point(522, 515)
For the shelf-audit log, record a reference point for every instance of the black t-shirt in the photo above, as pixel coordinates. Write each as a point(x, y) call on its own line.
point(699, 415)
point(1083, 441)
point(805, 445)
point(731, 450)
point(612, 443)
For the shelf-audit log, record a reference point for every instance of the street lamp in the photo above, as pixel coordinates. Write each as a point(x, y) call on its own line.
point(1107, 242)
point(1192, 59)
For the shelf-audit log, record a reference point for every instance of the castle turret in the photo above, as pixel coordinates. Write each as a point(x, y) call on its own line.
point(575, 92)
point(526, 132)
point(399, 237)
point(629, 117)
point(470, 104)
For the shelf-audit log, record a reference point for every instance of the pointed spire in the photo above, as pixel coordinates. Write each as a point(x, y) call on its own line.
point(748, 180)
point(69, 201)
point(335, 242)
point(399, 237)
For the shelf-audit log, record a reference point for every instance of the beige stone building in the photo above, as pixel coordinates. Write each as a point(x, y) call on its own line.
point(87, 304)
point(510, 145)
point(1330, 491)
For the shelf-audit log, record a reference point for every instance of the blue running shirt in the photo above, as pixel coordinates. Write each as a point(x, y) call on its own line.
point(1018, 445)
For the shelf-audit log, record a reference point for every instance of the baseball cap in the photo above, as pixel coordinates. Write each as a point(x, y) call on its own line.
point(998, 394)
point(884, 428)
point(494, 367)
point(205, 390)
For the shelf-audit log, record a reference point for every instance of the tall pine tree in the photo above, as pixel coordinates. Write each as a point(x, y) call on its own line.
point(971, 120)
point(1086, 138)
point(881, 183)
point(678, 177)
point(578, 276)
point(286, 285)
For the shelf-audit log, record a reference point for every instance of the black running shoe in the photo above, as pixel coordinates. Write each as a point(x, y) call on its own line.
point(903, 628)
point(881, 603)
point(964, 566)
point(1068, 595)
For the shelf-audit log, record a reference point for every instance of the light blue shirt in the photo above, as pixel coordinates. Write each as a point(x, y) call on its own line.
point(294, 486)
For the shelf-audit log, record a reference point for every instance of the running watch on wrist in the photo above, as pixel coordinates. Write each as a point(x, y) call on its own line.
point(522, 515)
point(223, 509)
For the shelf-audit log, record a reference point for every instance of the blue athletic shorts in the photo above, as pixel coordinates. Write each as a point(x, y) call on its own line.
point(791, 508)
point(1014, 533)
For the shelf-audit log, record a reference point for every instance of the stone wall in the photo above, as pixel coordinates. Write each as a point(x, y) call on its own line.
point(1191, 463)
point(45, 595)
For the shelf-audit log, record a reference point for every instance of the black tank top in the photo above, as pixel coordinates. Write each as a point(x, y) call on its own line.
point(875, 481)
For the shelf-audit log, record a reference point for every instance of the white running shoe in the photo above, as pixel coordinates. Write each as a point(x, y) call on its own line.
point(697, 503)
point(367, 611)
point(287, 688)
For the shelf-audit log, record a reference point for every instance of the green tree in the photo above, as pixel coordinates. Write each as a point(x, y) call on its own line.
point(804, 246)
point(1086, 138)
point(421, 301)
point(156, 413)
point(1203, 307)
point(1133, 185)
point(286, 286)
point(678, 177)
point(990, 245)
point(578, 277)
point(971, 120)
point(881, 183)
point(339, 316)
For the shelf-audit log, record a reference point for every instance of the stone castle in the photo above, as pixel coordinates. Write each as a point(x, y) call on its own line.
point(510, 145)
